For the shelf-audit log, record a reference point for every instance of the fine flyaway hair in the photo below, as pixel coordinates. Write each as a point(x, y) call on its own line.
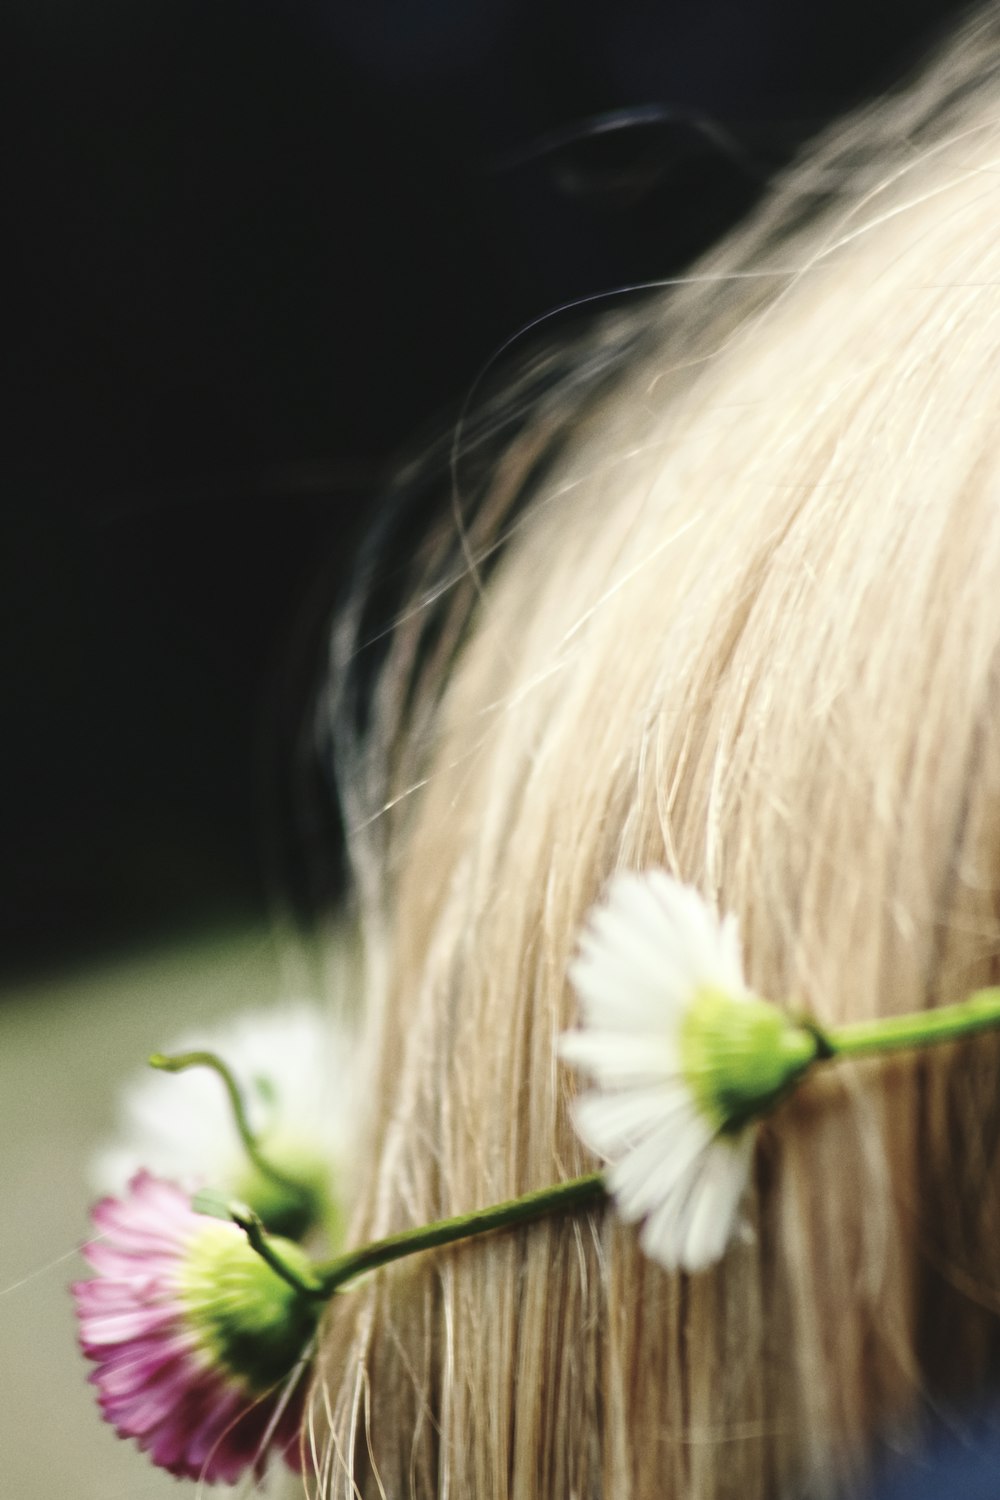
point(728, 603)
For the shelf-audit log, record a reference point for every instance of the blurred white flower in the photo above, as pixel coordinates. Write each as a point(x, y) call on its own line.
point(293, 1067)
point(685, 1061)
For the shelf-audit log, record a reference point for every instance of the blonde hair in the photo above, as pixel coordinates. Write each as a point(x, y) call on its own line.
point(749, 630)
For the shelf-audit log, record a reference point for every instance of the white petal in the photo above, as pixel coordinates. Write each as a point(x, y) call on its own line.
point(648, 1173)
point(691, 1229)
point(647, 949)
point(620, 987)
point(610, 1124)
point(635, 930)
point(712, 945)
point(716, 1200)
point(667, 1228)
point(613, 1058)
point(691, 922)
point(667, 982)
point(662, 1233)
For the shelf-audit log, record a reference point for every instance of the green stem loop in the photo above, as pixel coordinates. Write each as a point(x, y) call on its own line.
point(180, 1062)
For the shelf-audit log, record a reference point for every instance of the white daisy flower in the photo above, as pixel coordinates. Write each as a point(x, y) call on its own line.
point(289, 1063)
point(685, 1061)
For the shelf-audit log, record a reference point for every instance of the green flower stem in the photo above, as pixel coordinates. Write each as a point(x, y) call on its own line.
point(980, 1012)
point(181, 1061)
point(535, 1205)
point(258, 1239)
point(950, 1023)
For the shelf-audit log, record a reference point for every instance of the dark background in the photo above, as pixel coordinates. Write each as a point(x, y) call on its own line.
point(257, 254)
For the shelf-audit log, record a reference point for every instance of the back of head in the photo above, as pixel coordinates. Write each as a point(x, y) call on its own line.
point(749, 630)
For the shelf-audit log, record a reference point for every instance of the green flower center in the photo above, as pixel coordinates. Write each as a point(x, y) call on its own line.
point(741, 1056)
point(250, 1321)
point(295, 1208)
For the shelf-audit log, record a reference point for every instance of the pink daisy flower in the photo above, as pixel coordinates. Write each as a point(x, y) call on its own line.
point(199, 1345)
